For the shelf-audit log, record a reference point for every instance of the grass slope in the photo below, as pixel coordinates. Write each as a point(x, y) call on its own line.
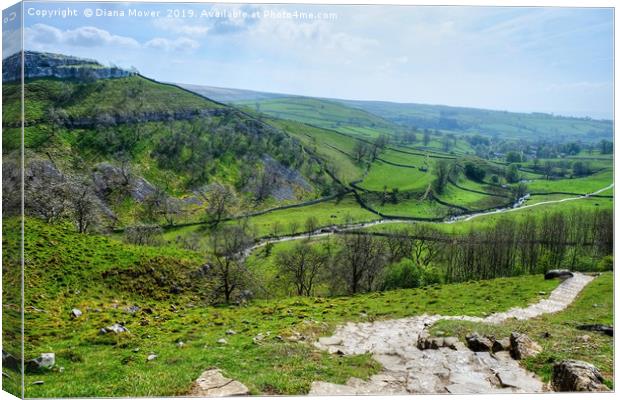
point(100, 365)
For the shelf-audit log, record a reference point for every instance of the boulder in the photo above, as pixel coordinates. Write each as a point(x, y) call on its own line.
point(477, 343)
point(75, 313)
point(558, 273)
point(521, 346)
point(212, 383)
point(577, 376)
point(501, 345)
point(44, 361)
point(116, 328)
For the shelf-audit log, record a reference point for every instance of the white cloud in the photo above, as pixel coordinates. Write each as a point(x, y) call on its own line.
point(179, 44)
point(85, 36)
point(11, 42)
point(180, 26)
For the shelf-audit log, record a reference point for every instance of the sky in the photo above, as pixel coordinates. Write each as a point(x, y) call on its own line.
point(556, 60)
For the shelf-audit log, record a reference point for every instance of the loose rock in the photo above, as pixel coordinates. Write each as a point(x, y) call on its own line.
point(521, 346)
point(478, 343)
point(222, 341)
point(577, 376)
point(75, 313)
point(116, 328)
point(212, 383)
point(44, 361)
point(151, 357)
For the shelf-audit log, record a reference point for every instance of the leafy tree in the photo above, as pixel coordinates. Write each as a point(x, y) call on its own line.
point(302, 266)
point(442, 172)
point(512, 174)
point(513, 157)
point(221, 200)
point(474, 171)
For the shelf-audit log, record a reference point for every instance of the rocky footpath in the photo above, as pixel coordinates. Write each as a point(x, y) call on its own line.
point(415, 363)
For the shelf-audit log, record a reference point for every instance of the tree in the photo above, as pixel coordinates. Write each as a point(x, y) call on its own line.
point(302, 266)
point(442, 173)
point(83, 206)
point(580, 168)
point(226, 246)
point(513, 157)
point(427, 137)
point(512, 174)
point(360, 262)
point(221, 200)
point(519, 191)
point(474, 172)
point(360, 151)
point(144, 235)
point(312, 224)
point(606, 147)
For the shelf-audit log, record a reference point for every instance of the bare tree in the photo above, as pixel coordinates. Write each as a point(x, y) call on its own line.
point(144, 235)
point(221, 200)
point(302, 266)
point(83, 206)
point(226, 246)
point(360, 261)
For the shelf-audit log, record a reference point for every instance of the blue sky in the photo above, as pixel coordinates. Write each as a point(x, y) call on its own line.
point(556, 60)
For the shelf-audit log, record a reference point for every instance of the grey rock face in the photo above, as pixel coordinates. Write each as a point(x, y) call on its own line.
point(577, 376)
point(212, 383)
point(521, 346)
point(44, 65)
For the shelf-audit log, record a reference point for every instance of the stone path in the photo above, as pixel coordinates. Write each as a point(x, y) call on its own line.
point(408, 370)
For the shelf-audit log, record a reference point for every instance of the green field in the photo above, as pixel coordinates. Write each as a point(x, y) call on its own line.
point(382, 175)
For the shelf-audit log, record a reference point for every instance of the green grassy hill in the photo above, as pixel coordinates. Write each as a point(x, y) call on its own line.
point(325, 114)
point(489, 122)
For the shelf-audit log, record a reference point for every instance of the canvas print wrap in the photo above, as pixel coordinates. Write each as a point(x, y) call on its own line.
point(206, 199)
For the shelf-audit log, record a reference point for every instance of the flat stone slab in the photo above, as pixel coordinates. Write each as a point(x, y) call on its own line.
point(212, 383)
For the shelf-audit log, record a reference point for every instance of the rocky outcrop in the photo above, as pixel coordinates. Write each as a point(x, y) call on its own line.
point(521, 346)
point(577, 376)
point(50, 65)
point(212, 383)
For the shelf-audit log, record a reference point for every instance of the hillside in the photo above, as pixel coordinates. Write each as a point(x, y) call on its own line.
point(323, 113)
point(133, 140)
point(489, 122)
point(461, 120)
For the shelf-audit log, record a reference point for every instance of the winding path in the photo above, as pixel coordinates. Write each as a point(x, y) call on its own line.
point(409, 370)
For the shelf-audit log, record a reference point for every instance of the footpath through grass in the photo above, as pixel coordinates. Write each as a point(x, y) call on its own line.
point(116, 365)
point(557, 333)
